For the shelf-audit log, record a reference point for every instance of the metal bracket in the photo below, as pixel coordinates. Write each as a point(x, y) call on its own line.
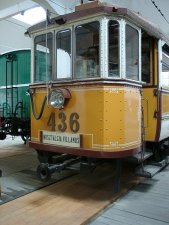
point(117, 178)
point(155, 92)
point(156, 113)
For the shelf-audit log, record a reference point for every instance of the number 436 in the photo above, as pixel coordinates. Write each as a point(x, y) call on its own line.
point(62, 125)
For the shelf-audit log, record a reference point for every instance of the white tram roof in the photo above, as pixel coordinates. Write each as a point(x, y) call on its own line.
point(95, 8)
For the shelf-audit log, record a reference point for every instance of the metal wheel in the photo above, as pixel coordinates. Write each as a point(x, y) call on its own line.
point(2, 135)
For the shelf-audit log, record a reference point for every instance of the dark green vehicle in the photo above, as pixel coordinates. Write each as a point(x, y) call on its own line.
point(14, 100)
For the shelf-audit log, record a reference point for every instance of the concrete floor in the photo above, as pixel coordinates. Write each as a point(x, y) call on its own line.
point(18, 163)
point(145, 204)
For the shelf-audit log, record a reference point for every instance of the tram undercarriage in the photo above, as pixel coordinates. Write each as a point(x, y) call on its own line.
point(147, 163)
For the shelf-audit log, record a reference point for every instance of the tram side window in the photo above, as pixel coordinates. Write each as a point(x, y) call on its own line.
point(43, 57)
point(145, 56)
point(132, 53)
point(63, 43)
point(165, 67)
point(113, 48)
point(87, 50)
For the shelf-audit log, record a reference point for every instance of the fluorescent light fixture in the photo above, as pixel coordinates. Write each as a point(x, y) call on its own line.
point(31, 16)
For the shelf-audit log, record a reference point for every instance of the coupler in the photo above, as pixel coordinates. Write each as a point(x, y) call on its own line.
point(45, 170)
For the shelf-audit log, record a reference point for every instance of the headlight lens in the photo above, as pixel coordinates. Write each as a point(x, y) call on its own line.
point(56, 99)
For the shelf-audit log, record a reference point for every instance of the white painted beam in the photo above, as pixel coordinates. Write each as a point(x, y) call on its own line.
point(16, 8)
point(53, 6)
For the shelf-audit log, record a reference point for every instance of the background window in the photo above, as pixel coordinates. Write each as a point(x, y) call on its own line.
point(63, 43)
point(132, 53)
point(43, 57)
point(87, 50)
point(165, 67)
point(113, 48)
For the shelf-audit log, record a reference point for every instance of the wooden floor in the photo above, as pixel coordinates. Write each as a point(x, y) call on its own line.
point(72, 201)
point(12, 146)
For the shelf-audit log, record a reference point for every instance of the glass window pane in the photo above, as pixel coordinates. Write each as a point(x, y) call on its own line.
point(165, 67)
point(165, 76)
point(132, 53)
point(63, 43)
point(165, 58)
point(87, 50)
point(113, 48)
point(146, 47)
point(43, 57)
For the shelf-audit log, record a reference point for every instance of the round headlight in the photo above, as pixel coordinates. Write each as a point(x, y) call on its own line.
point(56, 99)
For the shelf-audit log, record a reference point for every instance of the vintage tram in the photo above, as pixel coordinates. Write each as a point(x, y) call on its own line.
point(14, 102)
point(100, 85)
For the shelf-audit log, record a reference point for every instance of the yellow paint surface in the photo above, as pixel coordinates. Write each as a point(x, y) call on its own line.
point(109, 116)
point(165, 104)
point(149, 102)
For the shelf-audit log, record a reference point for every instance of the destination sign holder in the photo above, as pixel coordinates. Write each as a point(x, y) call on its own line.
point(60, 139)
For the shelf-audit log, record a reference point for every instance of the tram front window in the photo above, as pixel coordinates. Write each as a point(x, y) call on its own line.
point(87, 50)
point(43, 57)
point(132, 53)
point(63, 43)
point(113, 49)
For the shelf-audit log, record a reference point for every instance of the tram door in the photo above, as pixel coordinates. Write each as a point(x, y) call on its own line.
point(149, 77)
point(11, 81)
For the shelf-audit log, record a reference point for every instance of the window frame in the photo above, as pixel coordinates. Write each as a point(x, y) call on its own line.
point(161, 63)
point(122, 49)
point(33, 55)
point(55, 54)
point(103, 49)
point(139, 48)
point(152, 56)
point(91, 20)
point(119, 45)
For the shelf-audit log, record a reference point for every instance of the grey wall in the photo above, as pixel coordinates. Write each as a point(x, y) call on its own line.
point(12, 36)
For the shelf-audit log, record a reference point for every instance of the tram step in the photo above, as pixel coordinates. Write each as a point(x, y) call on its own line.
point(162, 163)
point(166, 149)
point(150, 170)
point(138, 158)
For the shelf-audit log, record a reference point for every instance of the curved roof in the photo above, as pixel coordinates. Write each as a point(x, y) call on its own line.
point(116, 11)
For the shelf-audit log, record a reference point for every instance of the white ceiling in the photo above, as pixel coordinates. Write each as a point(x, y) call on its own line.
point(12, 31)
point(9, 8)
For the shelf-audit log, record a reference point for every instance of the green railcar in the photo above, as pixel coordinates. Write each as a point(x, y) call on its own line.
point(14, 100)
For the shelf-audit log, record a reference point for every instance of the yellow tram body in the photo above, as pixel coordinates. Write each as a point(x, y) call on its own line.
point(150, 121)
point(164, 115)
point(98, 107)
point(121, 100)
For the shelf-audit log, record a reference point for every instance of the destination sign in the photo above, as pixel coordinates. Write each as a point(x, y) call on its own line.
point(58, 138)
